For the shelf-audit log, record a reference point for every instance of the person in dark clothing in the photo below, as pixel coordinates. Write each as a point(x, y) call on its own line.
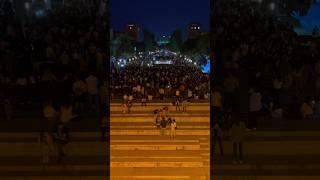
point(163, 125)
point(217, 137)
point(129, 105)
point(237, 136)
point(61, 137)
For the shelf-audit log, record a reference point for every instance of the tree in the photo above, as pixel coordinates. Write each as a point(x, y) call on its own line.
point(122, 46)
point(175, 42)
point(149, 40)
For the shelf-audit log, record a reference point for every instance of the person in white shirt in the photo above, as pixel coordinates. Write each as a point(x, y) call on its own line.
point(92, 84)
point(173, 127)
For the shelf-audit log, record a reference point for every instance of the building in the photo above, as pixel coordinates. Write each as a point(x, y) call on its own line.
point(132, 31)
point(194, 30)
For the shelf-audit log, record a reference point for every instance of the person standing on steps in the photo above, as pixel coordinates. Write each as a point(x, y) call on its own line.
point(173, 126)
point(237, 136)
point(184, 105)
point(217, 137)
point(61, 136)
point(163, 126)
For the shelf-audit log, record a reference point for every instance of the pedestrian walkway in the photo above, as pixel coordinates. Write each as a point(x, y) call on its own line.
point(139, 152)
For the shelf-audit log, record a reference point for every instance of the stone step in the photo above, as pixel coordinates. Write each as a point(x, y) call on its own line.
point(158, 154)
point(150, 177)
point(150, 119)
point(195, 173)
point(179, 132)
point(155, 147)
point(152, 108)
point(113, 141)
point(54, 177)
point(187, 137)
point(151, 123)
point(276, 147)
point(156, 162)
point(34, 149)
point(266, 177)
point(262, 159)
point(5, 135)
point(152, 126)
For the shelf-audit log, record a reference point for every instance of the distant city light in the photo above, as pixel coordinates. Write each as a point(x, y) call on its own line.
point(272, 6)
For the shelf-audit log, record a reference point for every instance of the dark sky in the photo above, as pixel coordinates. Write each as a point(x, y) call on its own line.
point(160, 16)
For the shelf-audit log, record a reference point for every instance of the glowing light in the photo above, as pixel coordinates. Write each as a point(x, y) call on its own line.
point(272, 6)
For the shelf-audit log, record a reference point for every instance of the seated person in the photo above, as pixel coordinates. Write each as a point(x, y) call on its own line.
point(307, 109)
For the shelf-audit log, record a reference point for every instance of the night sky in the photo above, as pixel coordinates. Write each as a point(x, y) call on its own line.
point(161, 17)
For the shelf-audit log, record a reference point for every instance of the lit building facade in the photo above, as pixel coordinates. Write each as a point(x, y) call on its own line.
point(194, 30)
point(132, 31)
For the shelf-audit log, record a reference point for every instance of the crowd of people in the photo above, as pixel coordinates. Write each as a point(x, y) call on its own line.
point(264, 69)
point(57, 66)
point(159, 81)
point(265, 66)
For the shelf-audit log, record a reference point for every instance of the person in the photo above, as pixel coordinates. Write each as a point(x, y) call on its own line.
point(161, 92)
point(190, 94)
point(184, 105)
point(61, 137)
point(129, 106)
point(276, 111)
point(307, 111)
point(237, 137)
point(50, 114)
point(144, 101)
point(46, 143)
point(177, 103)
point(173, 126)
point(124, 108)
point(157, 122)
point(163, 126)
point(125, 98)
point(217, 137)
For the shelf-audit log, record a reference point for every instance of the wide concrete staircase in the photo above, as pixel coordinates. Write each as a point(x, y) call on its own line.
point(21, 158)
point(272, 154)
point(137, 151)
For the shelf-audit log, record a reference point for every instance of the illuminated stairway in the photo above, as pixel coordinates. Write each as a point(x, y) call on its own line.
point(139, 152)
